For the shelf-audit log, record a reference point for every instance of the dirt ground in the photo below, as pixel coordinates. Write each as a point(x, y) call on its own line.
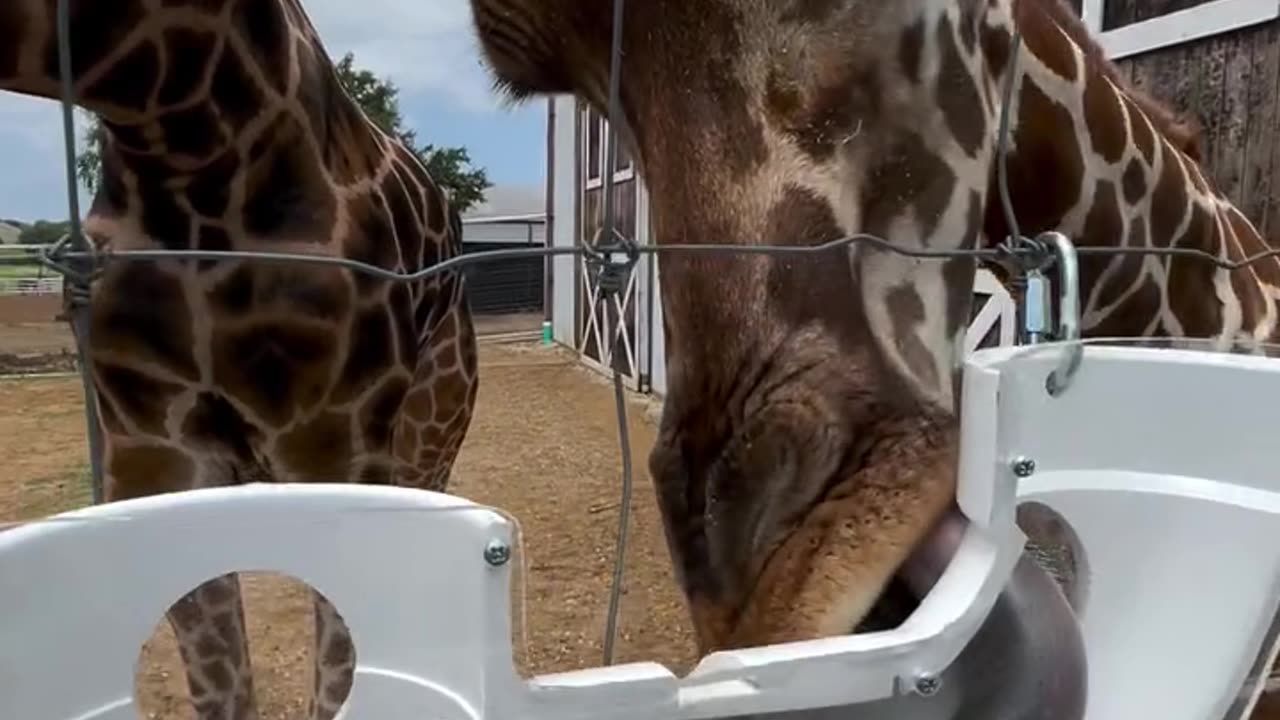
point(543, 446)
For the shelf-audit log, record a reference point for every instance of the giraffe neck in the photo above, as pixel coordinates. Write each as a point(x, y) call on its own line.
point(1104, 164)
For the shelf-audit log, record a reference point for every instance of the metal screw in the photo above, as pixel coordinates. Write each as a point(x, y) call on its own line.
point(497, 552)
point(1023, 466)
point(928, 684)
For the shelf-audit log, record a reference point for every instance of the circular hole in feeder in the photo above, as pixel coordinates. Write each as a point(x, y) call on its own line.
point(1055, 547)
point(280, 621)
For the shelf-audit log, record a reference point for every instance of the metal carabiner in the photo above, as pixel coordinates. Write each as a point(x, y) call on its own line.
point(1068, 325)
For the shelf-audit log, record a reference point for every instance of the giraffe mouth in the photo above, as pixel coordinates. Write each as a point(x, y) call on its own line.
point(1028, 658)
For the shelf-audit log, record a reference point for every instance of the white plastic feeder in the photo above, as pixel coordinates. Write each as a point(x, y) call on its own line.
point(1161, 462)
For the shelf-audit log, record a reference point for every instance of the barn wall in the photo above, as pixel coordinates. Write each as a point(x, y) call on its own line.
point(1230, 83)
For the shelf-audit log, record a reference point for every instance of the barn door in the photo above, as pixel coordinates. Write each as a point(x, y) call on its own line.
point(612, 324)
point(994, 322)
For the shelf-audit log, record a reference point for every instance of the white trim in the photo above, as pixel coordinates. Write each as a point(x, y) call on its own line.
point(1201, 21)
point(998, 307)
point(623, 175)
point(588, 128)
point(1091, 14)
point(527, 219)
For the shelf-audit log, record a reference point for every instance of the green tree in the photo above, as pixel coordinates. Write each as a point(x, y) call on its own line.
point(449, 166)
point(380, 100)
point(43, 232)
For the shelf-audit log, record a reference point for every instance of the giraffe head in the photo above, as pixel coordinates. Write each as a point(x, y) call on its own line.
point(807, 442)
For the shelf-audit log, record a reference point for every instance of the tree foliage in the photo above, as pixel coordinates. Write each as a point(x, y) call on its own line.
point(43, 232)
point(449, 166)
point(380, 100)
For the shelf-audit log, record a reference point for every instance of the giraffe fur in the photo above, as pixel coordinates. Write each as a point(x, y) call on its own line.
point(227, 129)
point(808, 439)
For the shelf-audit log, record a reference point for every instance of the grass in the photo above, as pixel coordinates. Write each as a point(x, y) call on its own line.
point(27, 270)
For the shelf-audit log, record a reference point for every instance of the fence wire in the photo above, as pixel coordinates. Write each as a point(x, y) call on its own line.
point(612, 260)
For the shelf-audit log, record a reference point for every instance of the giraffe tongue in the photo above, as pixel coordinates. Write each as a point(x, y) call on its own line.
point(1028, 658)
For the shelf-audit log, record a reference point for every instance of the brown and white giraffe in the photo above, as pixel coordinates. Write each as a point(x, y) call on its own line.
point(227, 129)
point(808, 440)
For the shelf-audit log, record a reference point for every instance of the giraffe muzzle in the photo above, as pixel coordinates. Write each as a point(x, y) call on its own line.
point(1027, 661)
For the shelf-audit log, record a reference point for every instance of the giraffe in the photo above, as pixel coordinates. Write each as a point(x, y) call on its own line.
point(227, 129)
point(807, 445)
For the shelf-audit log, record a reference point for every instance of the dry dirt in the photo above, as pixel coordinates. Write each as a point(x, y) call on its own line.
point(543, 446)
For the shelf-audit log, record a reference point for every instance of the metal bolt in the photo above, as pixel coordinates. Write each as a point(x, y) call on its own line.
point(928, 684)
point(497, 552)
point(1023, 466)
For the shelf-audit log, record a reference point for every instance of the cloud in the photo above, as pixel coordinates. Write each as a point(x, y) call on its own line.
point(424, 46)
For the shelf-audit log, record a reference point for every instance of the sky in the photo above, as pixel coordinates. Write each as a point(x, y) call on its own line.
point(426, 47)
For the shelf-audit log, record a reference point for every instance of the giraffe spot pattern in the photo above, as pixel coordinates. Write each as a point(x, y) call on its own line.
point(235, 92)
point(1038, 145)
point(957, 94)
point(97, 30)
point(1104, 119)
point(910, 46)
point(1252, 302)
point(1168, 198)
point(163, 220)
point(217, 673)
point(997, 45)
point(130, 81)
point(402, 317)
point(369, 353)
point(319, 449)
point(1046, 41)
point(142, 398)
point(1140, 131)
point(378, 415)
point(264, 26)
point(142, 470)
point(371, 240)
point(274, 368)
point(284, 188)
point(209, 191)
point(404, 217)
point(796, 287)
point(1103, 225)
point(188, 52)
point(1134, 181)
point(193, 131)
point(1195, 303)
point(141, 312)
point(906, 309)
point(907, 175)
point(215, 425)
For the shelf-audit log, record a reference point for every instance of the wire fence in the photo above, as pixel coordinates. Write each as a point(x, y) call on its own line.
point(612, 257)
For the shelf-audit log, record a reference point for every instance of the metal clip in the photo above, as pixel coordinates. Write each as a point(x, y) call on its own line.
point(1068, 331)
point(1037, 308)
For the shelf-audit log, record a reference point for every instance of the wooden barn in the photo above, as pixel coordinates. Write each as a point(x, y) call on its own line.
point(1215, 60)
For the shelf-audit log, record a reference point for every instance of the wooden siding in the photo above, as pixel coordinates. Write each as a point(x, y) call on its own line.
point(1230, 84)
